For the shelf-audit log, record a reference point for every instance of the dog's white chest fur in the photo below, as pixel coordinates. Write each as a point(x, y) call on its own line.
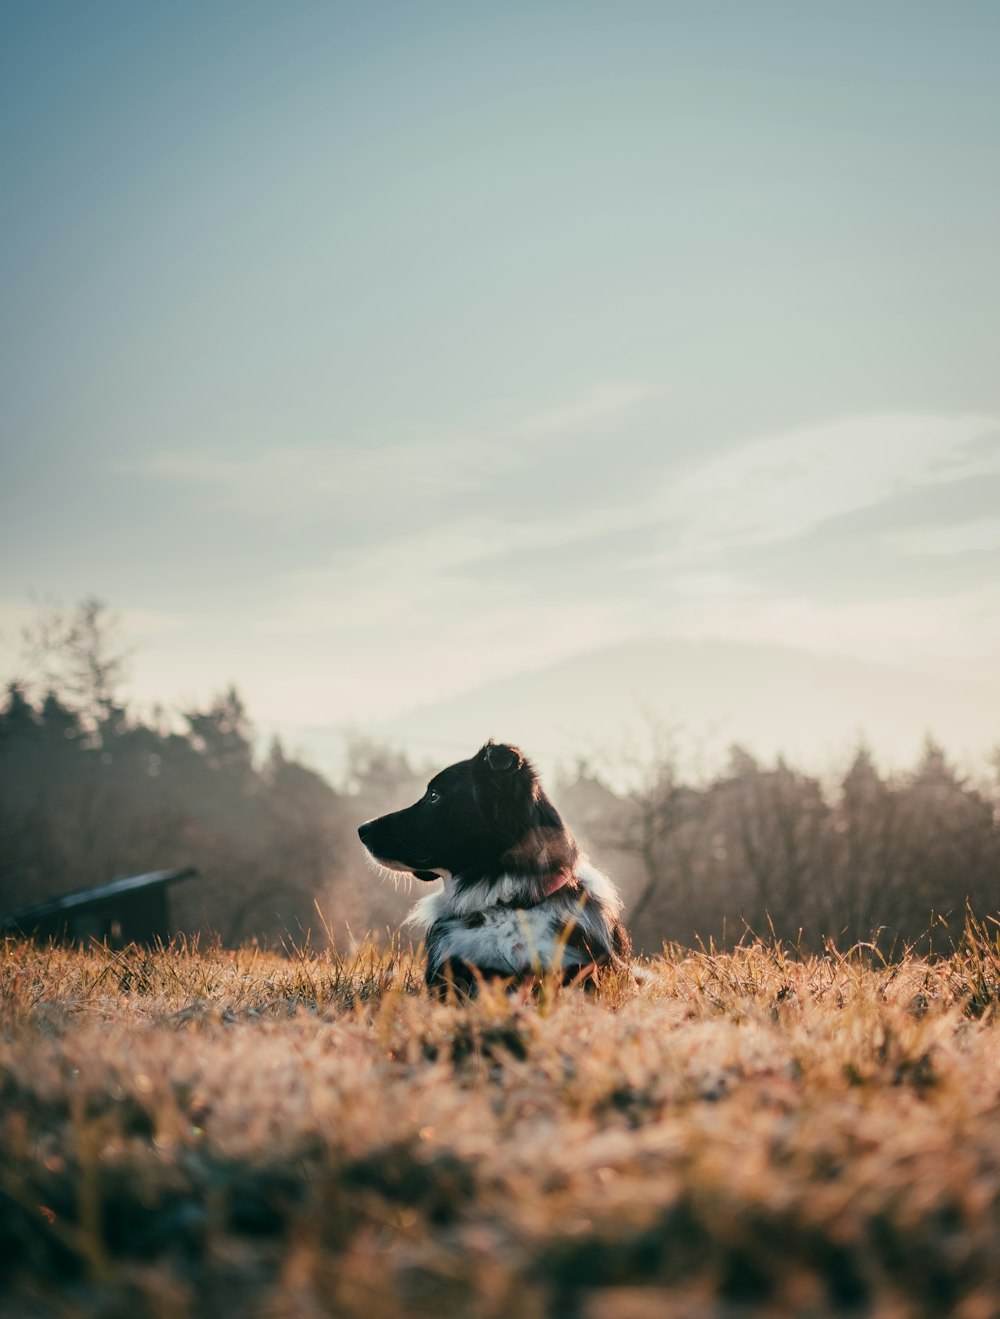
point(480, 924)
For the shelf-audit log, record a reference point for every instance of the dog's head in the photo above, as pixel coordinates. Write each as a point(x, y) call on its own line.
point(479, 818)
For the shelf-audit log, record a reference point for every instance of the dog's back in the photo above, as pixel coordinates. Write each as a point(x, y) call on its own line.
point(518, 900)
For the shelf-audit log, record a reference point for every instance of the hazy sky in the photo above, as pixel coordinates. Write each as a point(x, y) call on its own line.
point(363, 353)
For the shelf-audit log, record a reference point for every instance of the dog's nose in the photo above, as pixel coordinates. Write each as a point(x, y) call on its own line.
point(363, 829)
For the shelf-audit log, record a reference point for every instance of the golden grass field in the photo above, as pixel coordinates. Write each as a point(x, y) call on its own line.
point(245, 1133)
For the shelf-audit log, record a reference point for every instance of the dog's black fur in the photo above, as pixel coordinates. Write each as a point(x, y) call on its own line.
point(518, 898)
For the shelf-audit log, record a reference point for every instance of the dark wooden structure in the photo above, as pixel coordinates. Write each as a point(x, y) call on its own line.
point(133, 909)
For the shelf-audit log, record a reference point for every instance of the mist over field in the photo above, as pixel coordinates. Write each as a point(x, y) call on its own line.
point(702, 849)
point(617, 381)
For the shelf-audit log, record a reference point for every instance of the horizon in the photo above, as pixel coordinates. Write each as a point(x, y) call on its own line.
point(367, 360)
point(865, 707)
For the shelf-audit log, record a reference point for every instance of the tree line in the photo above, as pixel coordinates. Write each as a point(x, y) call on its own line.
point(90, 790)
point(864, 857)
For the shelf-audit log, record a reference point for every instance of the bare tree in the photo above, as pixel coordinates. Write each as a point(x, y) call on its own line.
point(78, 653)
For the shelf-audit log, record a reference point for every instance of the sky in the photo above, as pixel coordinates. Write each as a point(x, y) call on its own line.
point(366, 354)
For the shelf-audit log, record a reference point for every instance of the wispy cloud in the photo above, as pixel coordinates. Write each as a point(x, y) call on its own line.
point(982, 534)
point(767, 490)
point(954, 626)
point(776, 491)
point(778, 487)
point(409, 629)
point(772, 489)
point(977, 456)
point(302, 479)
point(461, 587)
point(598, 405)
point(415, 474)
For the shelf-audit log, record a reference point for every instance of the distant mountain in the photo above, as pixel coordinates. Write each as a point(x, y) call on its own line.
point(771, 699)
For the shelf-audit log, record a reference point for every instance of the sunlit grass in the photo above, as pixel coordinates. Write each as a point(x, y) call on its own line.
point(196, 1130)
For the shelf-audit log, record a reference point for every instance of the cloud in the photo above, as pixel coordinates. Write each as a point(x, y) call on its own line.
point(598, 405)
point(281, 481)
point(978, 456)
point(454, 585)
point(417, 476)
point(768, 491)
point(954, 626)
point(693, 524)
point(779, 487)
point(771, 496)
point(982, 534)
point(408, 629)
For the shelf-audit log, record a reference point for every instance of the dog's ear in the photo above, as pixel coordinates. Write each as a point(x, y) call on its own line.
point(500, 758)
point(505, 782)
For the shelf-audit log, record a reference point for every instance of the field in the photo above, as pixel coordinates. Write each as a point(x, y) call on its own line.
point(209, 1132)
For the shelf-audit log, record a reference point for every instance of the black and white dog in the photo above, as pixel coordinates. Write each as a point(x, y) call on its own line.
point(518, 899)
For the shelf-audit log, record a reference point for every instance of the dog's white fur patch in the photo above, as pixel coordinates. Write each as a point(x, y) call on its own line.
point(512, 941)
point(515, 938)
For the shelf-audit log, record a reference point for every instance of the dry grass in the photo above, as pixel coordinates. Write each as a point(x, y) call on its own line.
point(219, 1133)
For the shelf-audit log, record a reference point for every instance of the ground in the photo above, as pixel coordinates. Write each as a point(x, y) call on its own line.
point(218, 1133)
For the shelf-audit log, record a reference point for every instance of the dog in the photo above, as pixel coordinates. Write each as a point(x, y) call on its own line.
point(519, 900)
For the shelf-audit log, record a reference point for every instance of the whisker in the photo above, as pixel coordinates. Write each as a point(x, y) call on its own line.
point(400, 878)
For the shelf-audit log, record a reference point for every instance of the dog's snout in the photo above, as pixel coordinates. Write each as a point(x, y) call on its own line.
point(365, 829)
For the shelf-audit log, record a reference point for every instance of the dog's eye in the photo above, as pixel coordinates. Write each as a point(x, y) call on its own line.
point(433, 796)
